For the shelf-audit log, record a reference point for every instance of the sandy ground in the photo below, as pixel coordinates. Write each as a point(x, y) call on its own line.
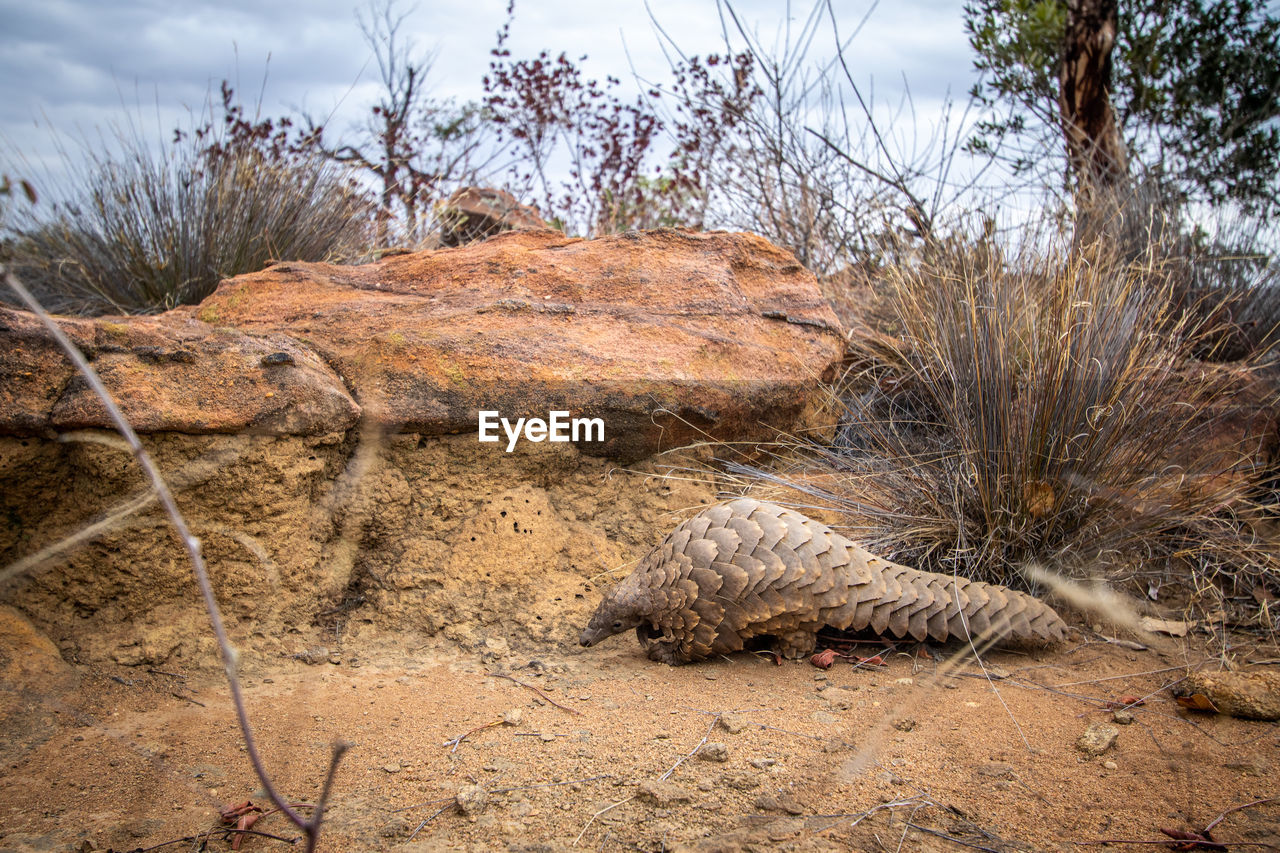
point(604, 750)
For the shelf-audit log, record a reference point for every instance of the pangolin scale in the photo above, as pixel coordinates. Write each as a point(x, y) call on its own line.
point(746, 569)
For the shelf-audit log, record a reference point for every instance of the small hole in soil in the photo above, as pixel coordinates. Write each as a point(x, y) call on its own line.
point(576, 595)
point(503, 513)
point(473, 538)
point(515, 525)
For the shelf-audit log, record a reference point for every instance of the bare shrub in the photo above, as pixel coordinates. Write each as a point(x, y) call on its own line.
point(416, 148)
point(142, 227)
point(597, 162)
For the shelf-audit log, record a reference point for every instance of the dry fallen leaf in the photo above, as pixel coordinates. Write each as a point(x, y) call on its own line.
point(1197, 702)
point(823, 659)
point(1184, 840)
point(246, 822)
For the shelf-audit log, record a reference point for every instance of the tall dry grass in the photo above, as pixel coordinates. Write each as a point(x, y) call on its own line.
point(1047, 404)
point(142, 228)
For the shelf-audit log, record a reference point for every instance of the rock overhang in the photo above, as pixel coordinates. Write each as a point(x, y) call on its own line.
point(667, 336)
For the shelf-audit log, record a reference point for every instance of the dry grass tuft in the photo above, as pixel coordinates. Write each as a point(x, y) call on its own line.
point(144, 228)
point(1046, 405)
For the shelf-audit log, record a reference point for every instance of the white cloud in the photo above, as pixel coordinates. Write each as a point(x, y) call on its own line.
point(77, 63)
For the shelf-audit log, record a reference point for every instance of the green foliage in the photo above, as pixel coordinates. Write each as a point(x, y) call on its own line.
point(144, 227)
point(1196, 89)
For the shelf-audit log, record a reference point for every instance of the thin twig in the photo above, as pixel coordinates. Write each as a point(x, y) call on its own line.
point(177, 695)
point(1118, 677)
point(535, 690)
point(224, 830)
point(460, 738)
point(1205, 841)
point(665, 776)
point(952, 838)
point(1172, 842)
point(861, 816)
point(229, 655)
point(436, 814)
point(1217, 820)
point(596, 815)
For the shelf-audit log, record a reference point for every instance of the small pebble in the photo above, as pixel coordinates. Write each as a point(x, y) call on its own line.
point(662, 793)
point(513, 717)
point(714, 751)
point(472, 799)
point(1097, 739)
point(739, 781)
point(1110, 765)
point(1122, 718)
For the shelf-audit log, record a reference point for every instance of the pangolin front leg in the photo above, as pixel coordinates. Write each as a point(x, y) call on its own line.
point(746, 569)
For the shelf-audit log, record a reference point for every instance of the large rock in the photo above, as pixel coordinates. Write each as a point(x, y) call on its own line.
point(667, 337)
point(167, 373)
point(476, 213)
point(317, 425)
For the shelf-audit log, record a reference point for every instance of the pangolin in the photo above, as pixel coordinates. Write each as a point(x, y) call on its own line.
point(747, 569)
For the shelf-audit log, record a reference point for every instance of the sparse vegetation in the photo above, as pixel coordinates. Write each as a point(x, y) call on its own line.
point(1092, 394)
point(144, 228)
point(1096, 395)
point(1046, 405)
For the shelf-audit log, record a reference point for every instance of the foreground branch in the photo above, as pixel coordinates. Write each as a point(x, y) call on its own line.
point(229, 655)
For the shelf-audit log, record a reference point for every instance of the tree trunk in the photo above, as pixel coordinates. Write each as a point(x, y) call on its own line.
point(1094, 147)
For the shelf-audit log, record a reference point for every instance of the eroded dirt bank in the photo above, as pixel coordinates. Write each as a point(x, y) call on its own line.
point(313, 541)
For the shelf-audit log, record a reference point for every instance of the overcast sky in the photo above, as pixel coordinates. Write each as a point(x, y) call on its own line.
point(75, 65)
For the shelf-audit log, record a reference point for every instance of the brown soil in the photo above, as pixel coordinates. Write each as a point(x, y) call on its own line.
point(625, 754)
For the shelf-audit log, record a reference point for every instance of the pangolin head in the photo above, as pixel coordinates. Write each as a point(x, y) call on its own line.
point(620, 611)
